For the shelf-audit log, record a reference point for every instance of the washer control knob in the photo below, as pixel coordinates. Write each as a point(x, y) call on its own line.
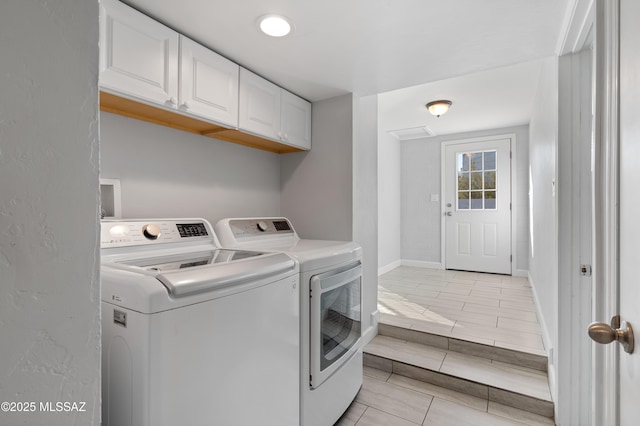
point(262, 226)
point(151, 231)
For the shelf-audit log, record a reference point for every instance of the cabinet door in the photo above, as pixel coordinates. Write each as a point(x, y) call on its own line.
point(208, 84)
point(138, 56)
point(259, 106)
point(296, 121)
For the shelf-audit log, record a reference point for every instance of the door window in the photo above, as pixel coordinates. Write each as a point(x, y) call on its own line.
point(476, 183)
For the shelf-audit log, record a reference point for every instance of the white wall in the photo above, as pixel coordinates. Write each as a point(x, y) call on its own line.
point(543, 263)
point(165, 172)
point(421, 175)
point(365, 204)
point(389, 201)
point(49, 283)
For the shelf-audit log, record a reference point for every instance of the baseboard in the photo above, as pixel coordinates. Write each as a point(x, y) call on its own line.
point(390, 267)
point(372, 330)
point(546, 340)
point(520, 273)
point(422, 264)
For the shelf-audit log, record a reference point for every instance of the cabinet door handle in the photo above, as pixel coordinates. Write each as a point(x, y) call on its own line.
point(186, 105)
point(173, 101)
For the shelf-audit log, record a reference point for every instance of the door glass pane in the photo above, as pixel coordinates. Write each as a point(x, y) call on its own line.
point(463, 200)
point(463, 163)
point(340, 316)
point(477, 180)
point(490, 180)
point(476, 161)
point(490, 200)
point(489, 160)
point(463, 181)
point(476, 200)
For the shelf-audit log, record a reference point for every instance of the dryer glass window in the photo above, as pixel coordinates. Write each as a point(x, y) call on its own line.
point(340, 316)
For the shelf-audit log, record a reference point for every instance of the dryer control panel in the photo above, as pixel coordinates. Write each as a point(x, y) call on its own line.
point(254, 229)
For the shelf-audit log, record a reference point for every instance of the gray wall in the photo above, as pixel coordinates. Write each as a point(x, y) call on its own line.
point(330, 192)
point(165, 172)
point(317, 185)
point(49, 283)
point(421, 217)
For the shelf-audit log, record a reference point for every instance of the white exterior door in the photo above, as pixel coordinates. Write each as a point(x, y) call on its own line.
point(629, 256)
point(477, 205)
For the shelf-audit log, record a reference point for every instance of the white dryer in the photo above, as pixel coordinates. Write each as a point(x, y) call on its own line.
point(330, 311)
point(193, 334)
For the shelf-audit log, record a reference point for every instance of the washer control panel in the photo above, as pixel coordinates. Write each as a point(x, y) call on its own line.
point(116, 233)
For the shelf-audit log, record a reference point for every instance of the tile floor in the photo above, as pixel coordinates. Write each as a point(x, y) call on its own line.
point(495, 310)
point(491, 309)
point(388, 399)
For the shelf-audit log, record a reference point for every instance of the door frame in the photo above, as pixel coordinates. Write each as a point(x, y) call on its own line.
point(575, 233)
point(606, 211)
point(514, 207)
point(599, 19)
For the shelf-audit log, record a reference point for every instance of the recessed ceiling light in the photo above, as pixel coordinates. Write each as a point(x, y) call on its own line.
point(274, 25)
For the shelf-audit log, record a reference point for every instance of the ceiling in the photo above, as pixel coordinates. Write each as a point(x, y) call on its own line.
point(491, 99)
point(367, 47)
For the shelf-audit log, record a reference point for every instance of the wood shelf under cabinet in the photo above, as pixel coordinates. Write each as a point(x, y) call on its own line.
point(140, 111)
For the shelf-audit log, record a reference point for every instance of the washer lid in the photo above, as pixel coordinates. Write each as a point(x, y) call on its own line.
point(191, 260)
point(189, 273)
point(316, 254)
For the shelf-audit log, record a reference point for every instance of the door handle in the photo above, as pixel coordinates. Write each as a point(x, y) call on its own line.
point(605, 333)
point(448, 214)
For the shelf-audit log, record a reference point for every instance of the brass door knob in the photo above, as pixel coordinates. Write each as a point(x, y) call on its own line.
point(605, 333)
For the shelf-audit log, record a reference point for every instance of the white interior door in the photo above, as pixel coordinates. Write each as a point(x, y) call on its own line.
point(629, 256)
point(477, 205)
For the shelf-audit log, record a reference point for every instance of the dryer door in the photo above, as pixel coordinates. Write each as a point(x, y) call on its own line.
point(336, 299)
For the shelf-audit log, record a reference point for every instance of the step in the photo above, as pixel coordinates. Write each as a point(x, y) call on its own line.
point(496, 353)
point(498, 381)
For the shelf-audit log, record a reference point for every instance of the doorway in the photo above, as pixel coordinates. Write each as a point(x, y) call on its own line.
point(477, 219)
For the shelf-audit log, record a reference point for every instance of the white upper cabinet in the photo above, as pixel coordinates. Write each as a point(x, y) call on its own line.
point(296, 121)
point(150, 72)
point(259, 105)
point(269, 111)
point(208, 83)
point(144, 60)
point(138, 56)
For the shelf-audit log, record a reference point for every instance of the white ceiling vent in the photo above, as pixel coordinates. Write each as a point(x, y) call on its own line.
point(412, 133)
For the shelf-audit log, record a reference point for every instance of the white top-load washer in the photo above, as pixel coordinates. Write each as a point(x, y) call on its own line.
point(330, 311)
point(194, 334)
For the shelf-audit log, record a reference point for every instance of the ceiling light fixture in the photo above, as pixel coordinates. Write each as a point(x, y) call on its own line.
point(274, 25)
point(438, 108)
